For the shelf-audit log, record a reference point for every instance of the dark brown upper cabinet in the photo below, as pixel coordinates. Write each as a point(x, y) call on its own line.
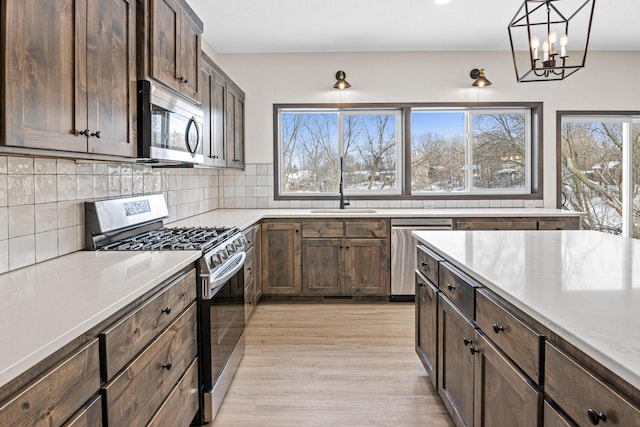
point(69, 75)
point(214, 95)
point(235, 126)
point(174, 46)
point(223, 106)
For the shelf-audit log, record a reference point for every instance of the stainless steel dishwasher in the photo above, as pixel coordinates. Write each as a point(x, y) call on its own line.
point(403, 253)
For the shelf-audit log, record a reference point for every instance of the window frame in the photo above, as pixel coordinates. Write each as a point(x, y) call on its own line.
point(535, 151)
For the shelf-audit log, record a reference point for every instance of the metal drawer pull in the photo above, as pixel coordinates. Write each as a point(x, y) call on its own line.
point(474, 350)
point(450, 287)
point(166, 310)
point(497, 328)
point(467, 341)
point(596, 417)
point(167, 366)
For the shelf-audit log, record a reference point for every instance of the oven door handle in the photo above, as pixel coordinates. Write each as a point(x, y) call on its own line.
point(235, 263)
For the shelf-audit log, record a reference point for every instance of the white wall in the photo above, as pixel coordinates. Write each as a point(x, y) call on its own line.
point(608, 82)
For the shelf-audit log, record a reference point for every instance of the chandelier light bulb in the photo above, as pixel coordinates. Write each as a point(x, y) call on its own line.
point(545, 51)
point(564, 41)
point(535, 44)
point(553, 38)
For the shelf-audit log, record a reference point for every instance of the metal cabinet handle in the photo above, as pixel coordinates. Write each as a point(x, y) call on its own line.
point(474, 350)
point(97, 134)
point(167, 366)
point(85, 132)
point(467, 341)
point(450, 287)
point(596, 417)
point(166, 310)
point(497, 328)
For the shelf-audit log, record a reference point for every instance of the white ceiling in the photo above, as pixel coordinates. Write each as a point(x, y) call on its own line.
point(234, 26)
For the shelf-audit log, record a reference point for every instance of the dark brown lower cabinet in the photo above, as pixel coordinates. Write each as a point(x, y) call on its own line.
point(323, 268)
point(345, 267)
point(456, 335)
point(426, 311)
point(503, 396)
point(478, 384)
point(89, 416)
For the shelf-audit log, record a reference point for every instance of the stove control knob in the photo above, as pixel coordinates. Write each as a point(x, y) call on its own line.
point(215, 260)
point(231, 248)
point(223, 254)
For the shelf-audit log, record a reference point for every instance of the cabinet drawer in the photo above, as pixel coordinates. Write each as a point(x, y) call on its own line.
point(363, 228)
point(182, 403)
point(559, 224)
point(427, 264)
point(137, 392)
point(583, 396)
point(322, 229)
point(497, 224)
point(121, 342)
point(89, 416)
point(58, 394)
point(459, 288)
point(518, 341)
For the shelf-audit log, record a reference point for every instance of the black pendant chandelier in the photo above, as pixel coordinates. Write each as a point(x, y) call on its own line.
point(547, 43)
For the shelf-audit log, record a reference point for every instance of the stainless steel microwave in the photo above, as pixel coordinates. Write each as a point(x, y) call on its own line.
point(170, 128)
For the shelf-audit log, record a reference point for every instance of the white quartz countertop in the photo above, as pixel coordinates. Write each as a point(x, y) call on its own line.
point(243, 218)
point(583, 285)
point(45, 306)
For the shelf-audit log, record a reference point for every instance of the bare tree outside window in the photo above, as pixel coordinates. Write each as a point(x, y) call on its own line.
point(443, 141)
point(593, 170)
point(499, 147)
point(312, 144)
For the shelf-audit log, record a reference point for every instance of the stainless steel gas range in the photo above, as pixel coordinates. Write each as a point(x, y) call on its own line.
point(136, 223)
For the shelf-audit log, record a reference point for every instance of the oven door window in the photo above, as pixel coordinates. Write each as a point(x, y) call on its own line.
point(224, 314)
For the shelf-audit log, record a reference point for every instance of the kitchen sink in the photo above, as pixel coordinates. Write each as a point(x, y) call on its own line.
point(344, 211)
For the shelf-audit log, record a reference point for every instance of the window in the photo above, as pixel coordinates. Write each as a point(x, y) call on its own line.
point(599, 155)
point(471, 151)
point(314, 142)
point(419, 151)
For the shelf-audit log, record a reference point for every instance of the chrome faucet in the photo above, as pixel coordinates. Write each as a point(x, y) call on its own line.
point(342, 202)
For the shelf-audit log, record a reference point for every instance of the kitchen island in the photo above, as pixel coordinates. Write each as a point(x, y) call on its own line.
point(578, 291)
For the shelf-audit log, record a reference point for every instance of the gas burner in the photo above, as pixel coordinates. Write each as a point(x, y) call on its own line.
point(173, 239)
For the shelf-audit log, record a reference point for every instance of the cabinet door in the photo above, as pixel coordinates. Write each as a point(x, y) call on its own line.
point(504, 396)
point(44, 80)
point(456, 335)
point(164, 48)
point(322, 266)
point(189, 57)
point(366, 267)
point(426, 311)
point(234, 119)
point(206, 94)
point(281, 257)
point(111, 76)
point(218, 107)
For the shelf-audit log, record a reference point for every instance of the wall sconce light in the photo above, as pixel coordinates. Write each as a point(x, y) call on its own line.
point(341, 83)
point(480, 79)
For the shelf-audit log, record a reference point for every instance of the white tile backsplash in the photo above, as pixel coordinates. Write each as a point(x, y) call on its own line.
point(21, 220)
point(42, 200)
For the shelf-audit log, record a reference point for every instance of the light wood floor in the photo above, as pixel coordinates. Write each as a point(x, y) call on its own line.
point(323, 364)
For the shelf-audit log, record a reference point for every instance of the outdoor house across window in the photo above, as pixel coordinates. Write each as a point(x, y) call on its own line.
point(419, 151)
point(599, 169)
